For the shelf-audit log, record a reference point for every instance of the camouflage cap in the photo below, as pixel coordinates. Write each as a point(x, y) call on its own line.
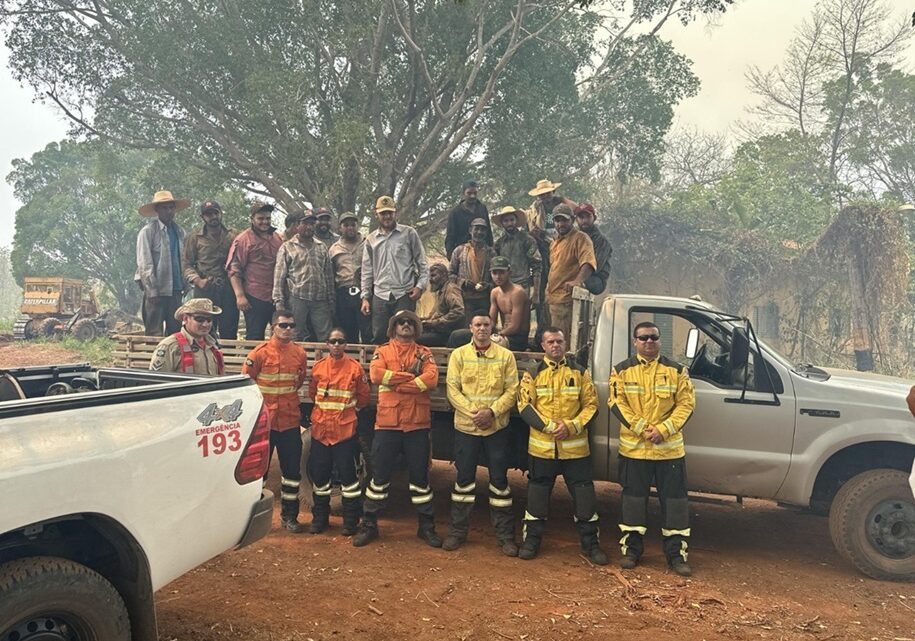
point(198, 306)
point(259, 206)
point(563, 210)
point(499, 263)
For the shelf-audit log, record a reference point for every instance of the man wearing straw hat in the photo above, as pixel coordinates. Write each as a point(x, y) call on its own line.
point(192, 349)
point(543, 229)
point(159, 249)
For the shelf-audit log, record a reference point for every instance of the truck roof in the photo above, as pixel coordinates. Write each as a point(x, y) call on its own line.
point(665, 299)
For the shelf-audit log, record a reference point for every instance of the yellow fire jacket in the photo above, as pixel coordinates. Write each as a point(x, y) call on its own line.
point(481, 379)
point(560, 391)
point(658, 393)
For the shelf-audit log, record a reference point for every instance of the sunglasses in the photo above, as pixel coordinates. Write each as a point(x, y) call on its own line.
point(286, 325)
point(404, 321)
point(336, 341)
point(203, 319)
point(649, 337)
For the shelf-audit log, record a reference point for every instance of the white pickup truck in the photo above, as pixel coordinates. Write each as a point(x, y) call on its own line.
point(114, 482)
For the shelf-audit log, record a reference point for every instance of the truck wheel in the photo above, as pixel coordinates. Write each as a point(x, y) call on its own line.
point(872, 524)
point(84, 329)
point(48, 327)
point(51, 599)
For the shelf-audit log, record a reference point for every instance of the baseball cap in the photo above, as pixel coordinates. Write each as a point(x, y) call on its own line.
point(210, 205)
point(385, 203)
point(563, 210)
point(499, 263)
point(478, 222)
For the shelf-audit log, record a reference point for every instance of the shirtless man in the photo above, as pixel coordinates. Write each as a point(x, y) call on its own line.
point(510, 301)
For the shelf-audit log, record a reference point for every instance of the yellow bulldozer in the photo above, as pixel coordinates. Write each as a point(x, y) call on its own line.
point(54, 306)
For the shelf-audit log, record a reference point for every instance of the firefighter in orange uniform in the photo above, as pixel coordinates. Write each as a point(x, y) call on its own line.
point(404, 372)
point(278, 368)
point(338, 389)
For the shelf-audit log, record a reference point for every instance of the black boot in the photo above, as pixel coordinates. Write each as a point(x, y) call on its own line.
point(460, 525)
point(533, 534)
point(426, 531)
point(289, 515)
point(352, 510)
point(368, 531)
point(320, 514)
point(675, 548)
point(503, 521)
point(590, 543)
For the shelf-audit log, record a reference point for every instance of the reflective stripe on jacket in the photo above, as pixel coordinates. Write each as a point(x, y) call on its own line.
point(481, 379)
point(560, 391)
point(404, 374)
point(658, 393)
point(338, 388)
point(279, 371)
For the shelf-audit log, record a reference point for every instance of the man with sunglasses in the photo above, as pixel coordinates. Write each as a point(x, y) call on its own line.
point(404, 372)
point(653, 397)
point(278, 367)
point(192, 349)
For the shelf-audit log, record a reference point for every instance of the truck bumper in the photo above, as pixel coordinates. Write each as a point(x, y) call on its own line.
point(261, 520)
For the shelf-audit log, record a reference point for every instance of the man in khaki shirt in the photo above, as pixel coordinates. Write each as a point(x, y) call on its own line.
point(346, 256)
point(205, 254)
point(572, 260)
point(191, 350)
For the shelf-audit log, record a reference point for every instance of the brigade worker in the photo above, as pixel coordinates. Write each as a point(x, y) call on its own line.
point(338, 389)
point(192, 349)
point(557, 404)
point(159, 248)
point(448, 313)
point(571, 262)
point(323, 226)
point(543, 229)
point(482, 383)
point(585, 216)
point(252, 261)
point(653, 398)
point(278, 367)
point(470, 267)
point(292, 222)
point(205, 254)
point(520, 249)
point(404, 372)
point(510, 304)
point(460, 218)
point(346, 257)
point(303, 282)
point(394, 269)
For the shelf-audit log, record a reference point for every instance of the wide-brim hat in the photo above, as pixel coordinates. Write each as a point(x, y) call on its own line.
point(544, 187)
point(405, 313)
point(198, 306)
point(160, 197)
point(519, 214)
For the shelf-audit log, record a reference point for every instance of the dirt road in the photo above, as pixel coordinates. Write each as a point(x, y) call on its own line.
point(761, 572)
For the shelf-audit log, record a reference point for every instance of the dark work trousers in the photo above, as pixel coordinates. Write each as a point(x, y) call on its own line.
point(257, 318)
point(669, 477)
point(288, 445)
point(382, 310)
point(387, 445)
point(467, 448)
point(434, 338)
point(349, 317)
point(313, 318)
point(576, 473)
point(225, 325)
point(322, 460)
point(159, 312)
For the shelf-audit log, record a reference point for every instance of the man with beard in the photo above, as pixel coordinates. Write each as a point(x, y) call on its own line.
point(251, 263)
point(346, 257)
point(470, 267)
point(205, 255)
point(571, 262)
point(520, 249)
point(585, 215)
point(543, 229)
point(448, 313)
point(459, 219)
point(325, 221)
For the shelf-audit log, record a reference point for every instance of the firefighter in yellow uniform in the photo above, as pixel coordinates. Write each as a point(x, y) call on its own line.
point(653, 398)
point(557, 404)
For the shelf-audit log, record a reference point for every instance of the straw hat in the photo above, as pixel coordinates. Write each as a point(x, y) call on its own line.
point(198, 306)
point(508, 209)
point(149, 209)
point(544, 187)
point(405, 313)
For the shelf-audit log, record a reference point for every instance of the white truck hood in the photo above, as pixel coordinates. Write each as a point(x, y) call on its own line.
point(868, 382)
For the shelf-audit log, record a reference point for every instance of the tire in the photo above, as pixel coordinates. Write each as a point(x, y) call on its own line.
point(84, 329)
point(56, 598)
point(48, 327)
point(872, 524)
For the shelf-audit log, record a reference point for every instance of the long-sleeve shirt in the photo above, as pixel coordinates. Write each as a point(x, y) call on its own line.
point(393, 263)
point(596, 283)
point(448, 313)
point(338, 388)
point(469, 266)
point(155, 262)
point(347, 260)
point(458, 230)
point(524, 256)
point(279, 370)
point(477, 380)
point(205, 255)
point(657, 392)
point(304, 271)
point(253, 259)
point(404, 374)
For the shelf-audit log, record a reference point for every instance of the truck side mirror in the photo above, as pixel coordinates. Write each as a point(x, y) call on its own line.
point(740, 349)
point(692, 342)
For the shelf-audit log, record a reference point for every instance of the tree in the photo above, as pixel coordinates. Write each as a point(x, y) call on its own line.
point(80, 214)
point(338, 102)
point(10, 293)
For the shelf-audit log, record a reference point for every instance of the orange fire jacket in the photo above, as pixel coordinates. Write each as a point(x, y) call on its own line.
point(279, 371)
point(403, 395)
point(338, 388)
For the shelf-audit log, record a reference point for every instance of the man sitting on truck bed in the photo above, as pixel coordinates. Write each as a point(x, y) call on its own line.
point(192, 349)
point(653, 398)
